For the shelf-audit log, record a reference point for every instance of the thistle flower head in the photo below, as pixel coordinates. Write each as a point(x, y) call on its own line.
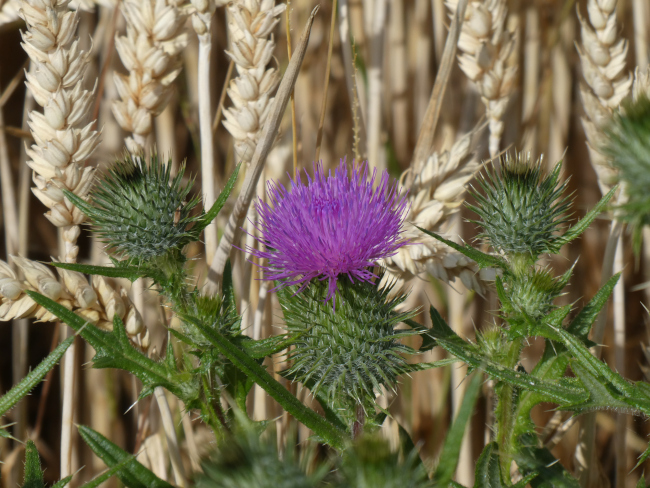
point(522, 210)
point(140, 211)
point(336, 224)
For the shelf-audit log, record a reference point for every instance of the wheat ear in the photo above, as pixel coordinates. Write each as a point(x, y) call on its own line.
point(486, 47)
point(602, 57)
point(250, 26)
point(63, 137)
point(150, 51)
point(435, 195)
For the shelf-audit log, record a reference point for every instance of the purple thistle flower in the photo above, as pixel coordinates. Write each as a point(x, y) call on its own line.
point(334, 225)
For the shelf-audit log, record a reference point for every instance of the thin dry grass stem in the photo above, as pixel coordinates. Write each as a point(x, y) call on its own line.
point(618, 304)
point(375, 83)
point(436, 194)
point(222, 97)
point(487, 45)
point(170, 433)
point(424, 146)
point(640, 13)
point(328, 67)
point(202, 22)
point(398, 75)
point(250, 26)
point(262, 150)
point(602, 57)
point(530, 96)
point(12, 85)
point(294, 125)
point(150, 52)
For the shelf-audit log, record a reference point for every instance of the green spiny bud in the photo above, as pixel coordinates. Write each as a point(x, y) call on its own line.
point(349, 353)
point(531, 294)
point(141, 211)
point(491, 341)
point(521, 210)
point(628, 147)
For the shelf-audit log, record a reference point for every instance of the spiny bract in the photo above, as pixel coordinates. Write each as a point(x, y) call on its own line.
point(628, 146)
point(140, 211)
point(348, 354)
point(335, 225)
point(521, 210)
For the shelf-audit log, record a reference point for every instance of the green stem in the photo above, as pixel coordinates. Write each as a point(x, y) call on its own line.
point(505, 417)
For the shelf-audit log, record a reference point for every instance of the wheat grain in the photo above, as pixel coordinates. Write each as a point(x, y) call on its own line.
point(98, 301)
point(602, 57)
point(250, 25)
point(435, 195)
point(487, 46)
point(63, 136)
point(150, 51)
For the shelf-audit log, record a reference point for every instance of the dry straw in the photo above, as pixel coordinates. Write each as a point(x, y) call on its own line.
point(486, 59)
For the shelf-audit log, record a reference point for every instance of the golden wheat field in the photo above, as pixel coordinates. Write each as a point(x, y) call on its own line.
point(404, 84)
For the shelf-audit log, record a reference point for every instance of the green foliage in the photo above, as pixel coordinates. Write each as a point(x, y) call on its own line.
point(628, 147)
point(131, 473)
point(245, 460)
point(347, 353)
point(521, 210)
point(33, 472)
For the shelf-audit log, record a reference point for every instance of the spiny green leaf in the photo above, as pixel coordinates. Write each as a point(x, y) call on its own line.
point(488, 472)
point(33, 471)
point(448, 459)
point(133, 474)
point(19, 391)
point(211, 214)
point(577, 230)
point(482, 259)
point(114, 350)
point(601, 397)
point(581, 324)
point(62, 483)
point(532, 458)
point(131, 273)
point(328, 432)
point(103, 477)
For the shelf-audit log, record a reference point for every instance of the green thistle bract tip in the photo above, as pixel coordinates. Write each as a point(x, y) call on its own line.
point(521, 210)
point(628, 147)
point(140, 211)
point(351, 353)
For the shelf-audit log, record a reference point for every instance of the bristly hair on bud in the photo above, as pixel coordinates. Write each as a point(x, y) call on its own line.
point(521, 210)
point(348, 355)
point(628, 147)
point(335, 225)
point(141, 211)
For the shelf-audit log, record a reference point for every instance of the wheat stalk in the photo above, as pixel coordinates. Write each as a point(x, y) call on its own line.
point(602, 57)
point(250, 25)
point(487, 46)
point(435, 195)
point(150, 51)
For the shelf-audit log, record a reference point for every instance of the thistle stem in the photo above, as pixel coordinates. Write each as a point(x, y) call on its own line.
point(357, 425)
point(506, 417)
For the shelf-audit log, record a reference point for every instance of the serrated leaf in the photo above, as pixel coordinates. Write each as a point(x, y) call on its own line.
point(133, 474)
point(228, 287)
point(62, 483)
point(581, 226)
point(13, 396)
point(551, 392)
point(581, 324)
point(488, 472)
point(601, 396)
point(131, 273)
point(103, 477)
point(448, 460)
point(327, 431)
point(483, 260)
point(533, 459)
point(33, 473)
point(211, 214)
point(262, 348)
point(114, 350)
